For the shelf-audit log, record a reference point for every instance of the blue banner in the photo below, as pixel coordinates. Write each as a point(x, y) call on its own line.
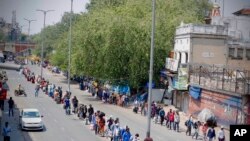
point(195, 92)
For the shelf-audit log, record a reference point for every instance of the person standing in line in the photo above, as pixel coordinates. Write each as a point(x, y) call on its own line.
point(196, 127)
point(136, 137)
point(75, 104)
point(126, 136)
point(211, 134)
point(37, 90)
point(162, 115)
point(176, 121)
point(204, 131)
point(6, 132)
point(171, 119)
point(67, 106)
point(189, 124)
point(90, 112)
point(11, 106)
point(221, 134)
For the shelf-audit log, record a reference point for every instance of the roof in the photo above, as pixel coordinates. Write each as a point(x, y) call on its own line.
point(243, 12)
point(30, 110)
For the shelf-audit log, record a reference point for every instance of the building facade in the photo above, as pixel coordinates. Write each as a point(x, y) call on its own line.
point(216, 58)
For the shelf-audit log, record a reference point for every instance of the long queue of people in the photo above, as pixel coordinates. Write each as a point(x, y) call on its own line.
point(96, 120)
point(106, 127)
point(204, 130)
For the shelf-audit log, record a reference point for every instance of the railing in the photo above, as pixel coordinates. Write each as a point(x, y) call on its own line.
point(220, 78)
point(202, 29)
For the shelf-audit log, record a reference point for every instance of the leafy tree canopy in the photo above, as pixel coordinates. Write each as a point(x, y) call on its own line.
point(112, 40)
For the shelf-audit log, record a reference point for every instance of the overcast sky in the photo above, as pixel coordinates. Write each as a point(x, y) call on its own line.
point(27, 9)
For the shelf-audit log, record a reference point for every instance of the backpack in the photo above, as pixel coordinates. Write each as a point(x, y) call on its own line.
point(162, 113)
point(195, 125)
point(211, 133)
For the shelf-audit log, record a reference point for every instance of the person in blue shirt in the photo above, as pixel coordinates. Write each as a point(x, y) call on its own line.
point(67, 106)
point(189, 124)
point(126, 135)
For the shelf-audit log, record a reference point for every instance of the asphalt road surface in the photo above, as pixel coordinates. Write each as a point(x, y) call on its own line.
point(69, 128)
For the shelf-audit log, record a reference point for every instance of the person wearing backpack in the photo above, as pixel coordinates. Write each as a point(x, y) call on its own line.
point(196, 126)
point(189, 124)
point(211, 134)
point(6, 132)
point(162, 114)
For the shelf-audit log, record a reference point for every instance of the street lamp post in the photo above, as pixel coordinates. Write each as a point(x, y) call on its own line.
point(151, 73)
point(21, 28)
point(29, 25)
point(69, 49)
point(42, 57)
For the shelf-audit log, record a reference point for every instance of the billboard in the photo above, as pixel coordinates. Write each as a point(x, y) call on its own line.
point(182, 81)
point(172, 64)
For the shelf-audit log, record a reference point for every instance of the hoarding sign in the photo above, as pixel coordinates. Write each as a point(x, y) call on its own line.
point(182, 82)
point(172, 64)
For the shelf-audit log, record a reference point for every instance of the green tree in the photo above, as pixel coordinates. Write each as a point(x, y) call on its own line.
point(112, 40)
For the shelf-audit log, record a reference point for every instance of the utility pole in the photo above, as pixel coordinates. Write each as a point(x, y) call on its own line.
point(70, 36)
point(42, 57)
point(29, 25)
point(21, 28)
point(151, 73)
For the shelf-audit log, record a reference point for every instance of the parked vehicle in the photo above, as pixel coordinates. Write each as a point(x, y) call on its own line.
point(55, 70)
point(31, 119)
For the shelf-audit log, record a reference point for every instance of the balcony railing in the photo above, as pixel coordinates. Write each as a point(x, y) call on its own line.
point(233, 81)
point(201, 29)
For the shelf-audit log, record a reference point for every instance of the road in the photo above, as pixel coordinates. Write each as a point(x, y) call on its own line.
point(69, 128)
point(58, 126)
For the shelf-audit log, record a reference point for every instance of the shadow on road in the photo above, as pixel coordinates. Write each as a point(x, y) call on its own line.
point(17, 134)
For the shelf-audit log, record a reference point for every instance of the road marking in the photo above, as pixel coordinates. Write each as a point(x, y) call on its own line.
point(55, 120)
point(71, 139)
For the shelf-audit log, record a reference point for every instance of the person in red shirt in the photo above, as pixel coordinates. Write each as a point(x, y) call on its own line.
point(171, 119)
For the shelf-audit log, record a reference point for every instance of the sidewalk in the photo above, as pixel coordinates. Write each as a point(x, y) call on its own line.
point(16, 134)
point(184, 117)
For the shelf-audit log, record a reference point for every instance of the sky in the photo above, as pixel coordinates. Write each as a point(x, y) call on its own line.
point(27, 9)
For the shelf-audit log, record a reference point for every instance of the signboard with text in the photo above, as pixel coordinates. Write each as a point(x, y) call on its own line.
point(172, 64)
point(182, 82)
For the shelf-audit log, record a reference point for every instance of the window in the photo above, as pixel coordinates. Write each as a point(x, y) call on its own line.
point(248, 54)
point(231, 53)
point(186, 57)
point(240, 53)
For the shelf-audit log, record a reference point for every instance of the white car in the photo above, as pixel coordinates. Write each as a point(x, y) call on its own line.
point(31, 119)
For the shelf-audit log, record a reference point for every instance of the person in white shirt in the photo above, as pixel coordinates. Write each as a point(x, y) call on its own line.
point(221, 134)
point(135, 138)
